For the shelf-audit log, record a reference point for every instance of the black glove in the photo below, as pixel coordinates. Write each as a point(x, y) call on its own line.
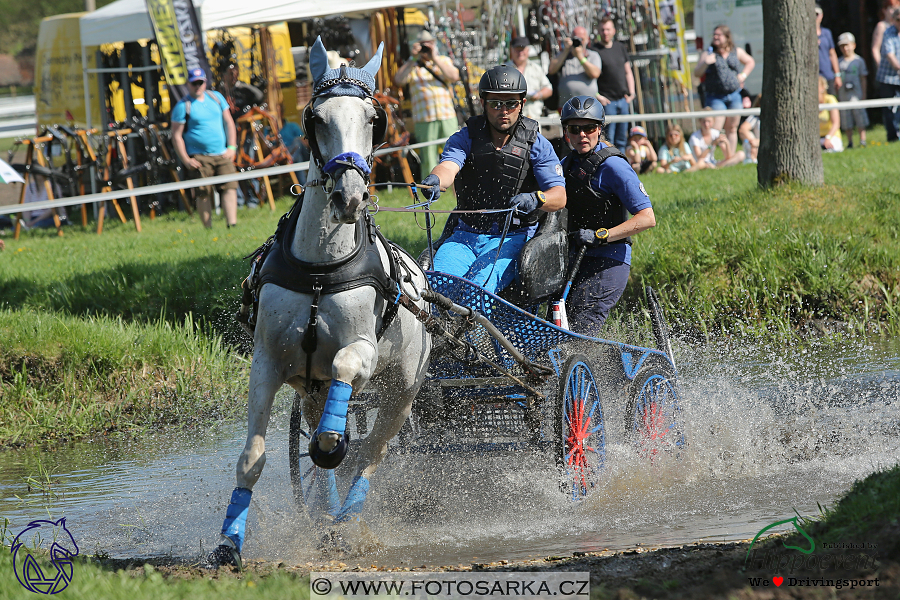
point(434, 192)
point(525, 203)
point(588, 237)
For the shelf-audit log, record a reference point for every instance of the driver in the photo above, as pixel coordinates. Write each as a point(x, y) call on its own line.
point(603, 189)
point(502, 162)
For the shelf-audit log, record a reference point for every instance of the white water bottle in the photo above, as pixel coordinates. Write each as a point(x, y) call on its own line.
point(558, 314)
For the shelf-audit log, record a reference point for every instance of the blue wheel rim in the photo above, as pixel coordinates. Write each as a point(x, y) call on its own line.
point(583, 432)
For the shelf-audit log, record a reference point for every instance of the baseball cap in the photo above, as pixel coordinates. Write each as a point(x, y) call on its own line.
point(425, 36)
point(637, 130)
point(197, 74)
point(519, 42)
point(846, 38)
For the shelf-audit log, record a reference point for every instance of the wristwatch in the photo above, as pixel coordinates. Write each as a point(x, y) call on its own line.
point(542, 199)
point(602, 234)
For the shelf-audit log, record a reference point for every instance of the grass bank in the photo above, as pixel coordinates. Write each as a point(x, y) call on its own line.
point(63, 376)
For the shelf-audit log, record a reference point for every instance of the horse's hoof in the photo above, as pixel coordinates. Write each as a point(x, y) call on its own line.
point(223, 556)
point(328, 460)
point(333, 543)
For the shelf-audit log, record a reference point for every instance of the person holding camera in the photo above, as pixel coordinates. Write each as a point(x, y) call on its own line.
point(578, 67)
point(429, 75)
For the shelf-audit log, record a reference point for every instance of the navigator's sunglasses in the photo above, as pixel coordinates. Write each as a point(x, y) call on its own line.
point(576, 129)
point(507, 104)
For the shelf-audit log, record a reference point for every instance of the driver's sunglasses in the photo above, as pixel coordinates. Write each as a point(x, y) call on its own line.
point(576, 129)
point(507, 104)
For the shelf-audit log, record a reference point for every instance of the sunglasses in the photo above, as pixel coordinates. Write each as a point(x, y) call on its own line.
point(198, 82)
point(507, 104)
point(576, 129)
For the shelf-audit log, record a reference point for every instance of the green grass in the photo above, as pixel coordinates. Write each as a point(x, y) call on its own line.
point(63, 376)
point(91, 579)
point(728, 257)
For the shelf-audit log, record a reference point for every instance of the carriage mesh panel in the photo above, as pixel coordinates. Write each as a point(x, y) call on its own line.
point(490, 421)
point(532, 336)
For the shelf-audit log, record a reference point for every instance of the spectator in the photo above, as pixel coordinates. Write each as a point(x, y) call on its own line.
point(499, 160)
point(615, 85)
point(749, 134)
point(640, 153)
point(704, 142)
point(241, 96)
point(828, 60)
point(539, 87)
point(429, 75)
point(883, 24)
point(829, 121)
point(2, 245)
point(203, 134)
point(674, 155)
point(888, 75)
point(853, 76)
point(578, 67)
point(292, 136)
point(725, 68)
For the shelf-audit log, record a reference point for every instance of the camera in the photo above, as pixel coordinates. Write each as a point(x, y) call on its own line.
point(576, 43)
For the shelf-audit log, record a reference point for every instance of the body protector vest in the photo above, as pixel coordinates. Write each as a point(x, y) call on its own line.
point(588, 208)
point(490, 177)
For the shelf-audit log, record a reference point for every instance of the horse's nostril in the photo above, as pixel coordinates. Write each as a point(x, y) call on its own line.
point(365, 196)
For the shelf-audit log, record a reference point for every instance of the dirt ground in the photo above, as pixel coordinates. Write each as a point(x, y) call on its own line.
point(696, 571)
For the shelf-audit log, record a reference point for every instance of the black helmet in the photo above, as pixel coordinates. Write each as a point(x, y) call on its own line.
point(583, 107)
point(502, 79)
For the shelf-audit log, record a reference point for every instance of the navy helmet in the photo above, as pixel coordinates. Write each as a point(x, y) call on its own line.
point(502, 79)
point(583, 107)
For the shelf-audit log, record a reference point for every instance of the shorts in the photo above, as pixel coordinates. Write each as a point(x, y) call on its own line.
point(730, 101)
point(856, 117)
point(214, 164)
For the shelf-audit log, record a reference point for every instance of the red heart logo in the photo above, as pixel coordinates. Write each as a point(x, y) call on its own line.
point(778, 581)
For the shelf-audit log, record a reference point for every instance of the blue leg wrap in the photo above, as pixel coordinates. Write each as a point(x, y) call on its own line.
point(334, 416)
point(353, 503)
point(236, 516)
point(326, 492)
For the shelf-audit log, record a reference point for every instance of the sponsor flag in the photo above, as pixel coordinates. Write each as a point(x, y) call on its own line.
point(180, 42)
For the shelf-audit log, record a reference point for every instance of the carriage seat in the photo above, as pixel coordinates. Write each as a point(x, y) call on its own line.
point(543, 261)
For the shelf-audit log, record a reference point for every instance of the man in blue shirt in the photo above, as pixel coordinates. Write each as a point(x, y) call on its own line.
point(204, 134)
point(500, 162)
point(602, 189)
point(828, 60)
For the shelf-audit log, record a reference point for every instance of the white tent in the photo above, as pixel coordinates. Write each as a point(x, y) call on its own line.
point(128, 21)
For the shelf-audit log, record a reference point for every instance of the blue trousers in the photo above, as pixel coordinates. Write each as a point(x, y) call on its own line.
point(617, 133)
point(473, 256)
point(597, 287)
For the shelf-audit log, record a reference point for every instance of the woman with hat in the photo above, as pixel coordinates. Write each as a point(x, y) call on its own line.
point(640, 153)
point(602, 190)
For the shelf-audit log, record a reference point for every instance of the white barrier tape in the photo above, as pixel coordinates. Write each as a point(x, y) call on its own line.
point(304, 166)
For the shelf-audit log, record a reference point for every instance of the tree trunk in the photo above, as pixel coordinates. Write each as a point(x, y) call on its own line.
point(789, 144)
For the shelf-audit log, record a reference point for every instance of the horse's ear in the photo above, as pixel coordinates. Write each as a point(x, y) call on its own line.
point(375, 63)
point(318, 60)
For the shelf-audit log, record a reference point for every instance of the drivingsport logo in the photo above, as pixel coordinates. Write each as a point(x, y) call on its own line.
point(34, 571)
point(439, 585)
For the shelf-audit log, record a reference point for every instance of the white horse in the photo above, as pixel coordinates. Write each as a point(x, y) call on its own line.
point(327, 335)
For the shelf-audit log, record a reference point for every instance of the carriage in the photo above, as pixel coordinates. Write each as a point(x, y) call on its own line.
point(503, 379)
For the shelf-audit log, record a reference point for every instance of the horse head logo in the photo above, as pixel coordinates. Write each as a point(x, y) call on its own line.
point(62, 549)
point(793, 520)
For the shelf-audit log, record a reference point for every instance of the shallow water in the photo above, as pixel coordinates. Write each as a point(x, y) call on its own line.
point(770, 431)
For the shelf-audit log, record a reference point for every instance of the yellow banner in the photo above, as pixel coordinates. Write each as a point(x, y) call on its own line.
point(243, 45)
point(58, 78)
point(168, 37)
point(671, 29)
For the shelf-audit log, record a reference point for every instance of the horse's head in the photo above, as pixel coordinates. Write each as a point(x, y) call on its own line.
point(343, 123)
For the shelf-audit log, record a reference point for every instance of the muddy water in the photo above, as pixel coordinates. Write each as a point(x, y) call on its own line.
point(770, 431)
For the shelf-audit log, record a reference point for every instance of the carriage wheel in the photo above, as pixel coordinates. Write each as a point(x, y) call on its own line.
point(653, 415)
point(581, 437)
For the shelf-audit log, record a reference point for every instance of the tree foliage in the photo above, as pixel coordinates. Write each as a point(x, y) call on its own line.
point(22, 19)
